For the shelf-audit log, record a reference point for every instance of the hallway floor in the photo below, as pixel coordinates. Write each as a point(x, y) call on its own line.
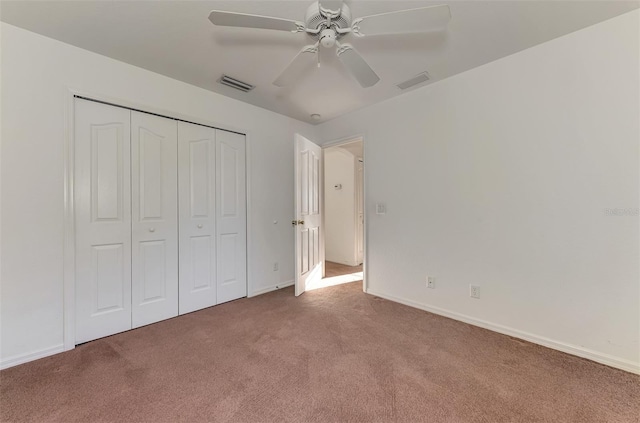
point(336, 269)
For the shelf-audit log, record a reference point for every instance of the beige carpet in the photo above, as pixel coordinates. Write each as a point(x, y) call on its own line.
point(332, 355)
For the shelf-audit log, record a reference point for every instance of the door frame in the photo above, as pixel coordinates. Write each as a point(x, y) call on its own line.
point(68, 247)
point(365, 231)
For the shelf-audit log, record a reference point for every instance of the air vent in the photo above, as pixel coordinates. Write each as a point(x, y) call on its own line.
point(418, 79)
point(234, 83)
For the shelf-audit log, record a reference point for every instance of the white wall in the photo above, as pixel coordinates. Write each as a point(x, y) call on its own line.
point(501, 177)
point(340, 206)
point(36, 72)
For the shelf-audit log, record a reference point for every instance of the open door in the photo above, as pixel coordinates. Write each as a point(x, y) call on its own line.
point(308, 216)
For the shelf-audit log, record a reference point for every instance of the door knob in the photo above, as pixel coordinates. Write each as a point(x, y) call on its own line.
point(199, 225)
point(152, 229)
point(297, 222)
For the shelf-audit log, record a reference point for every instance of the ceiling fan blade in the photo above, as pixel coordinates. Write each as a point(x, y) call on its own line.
point(299, 63)
point(222, 18)
point(423, 19)
point(357, 66)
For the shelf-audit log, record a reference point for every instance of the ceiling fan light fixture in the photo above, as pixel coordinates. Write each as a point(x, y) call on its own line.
point(316, 116)
point(328, 38)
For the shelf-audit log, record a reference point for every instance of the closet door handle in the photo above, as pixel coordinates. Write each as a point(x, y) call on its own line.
point(152, 229)
point(199, 225)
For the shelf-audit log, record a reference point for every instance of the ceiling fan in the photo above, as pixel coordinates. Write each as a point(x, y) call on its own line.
point(328, 21)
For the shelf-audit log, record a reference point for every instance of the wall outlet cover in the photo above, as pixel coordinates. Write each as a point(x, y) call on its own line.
point(474, 291)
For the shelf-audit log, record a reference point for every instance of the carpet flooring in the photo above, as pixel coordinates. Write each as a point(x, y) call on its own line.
point(332, 355)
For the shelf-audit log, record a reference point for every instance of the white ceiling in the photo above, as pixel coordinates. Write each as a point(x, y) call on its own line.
point(175, 38)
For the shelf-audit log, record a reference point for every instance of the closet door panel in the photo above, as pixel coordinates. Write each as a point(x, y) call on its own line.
point(231, 216)
point(197, 210)
point(103, 220)
point(154, 195)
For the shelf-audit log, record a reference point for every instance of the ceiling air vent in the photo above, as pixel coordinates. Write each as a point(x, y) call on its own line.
point(234, 83)
point(418, 79)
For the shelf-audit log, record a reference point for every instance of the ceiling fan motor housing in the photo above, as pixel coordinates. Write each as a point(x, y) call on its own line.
point(314, 19)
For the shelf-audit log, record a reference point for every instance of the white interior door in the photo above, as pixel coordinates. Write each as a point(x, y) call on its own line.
point(308, 216)
point(103, 220)
point(197, 214)
point(154, 196)
point(231, 216)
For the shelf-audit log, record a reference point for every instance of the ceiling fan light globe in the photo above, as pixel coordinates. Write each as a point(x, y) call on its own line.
point(328, 38)
point(328, 42)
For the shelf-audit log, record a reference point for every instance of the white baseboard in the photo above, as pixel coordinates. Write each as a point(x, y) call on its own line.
point(598, 357)
point(271, 288)
point(24, 358)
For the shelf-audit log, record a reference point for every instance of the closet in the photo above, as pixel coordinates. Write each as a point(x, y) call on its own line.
point(160, 218)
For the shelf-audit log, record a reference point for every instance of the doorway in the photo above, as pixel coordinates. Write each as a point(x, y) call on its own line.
point(343, 194)
point(329, 218)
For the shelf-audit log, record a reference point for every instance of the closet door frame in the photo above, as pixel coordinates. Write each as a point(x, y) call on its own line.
point(69, 232)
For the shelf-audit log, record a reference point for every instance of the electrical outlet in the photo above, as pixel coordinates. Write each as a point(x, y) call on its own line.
point(431, 282)
point(275, 266)
point(474, 291)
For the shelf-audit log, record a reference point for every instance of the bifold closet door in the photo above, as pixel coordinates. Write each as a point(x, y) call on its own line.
point(154, 204)
point(130, 202)
point(231, 216)
point(197, 210)
point(102, 196)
